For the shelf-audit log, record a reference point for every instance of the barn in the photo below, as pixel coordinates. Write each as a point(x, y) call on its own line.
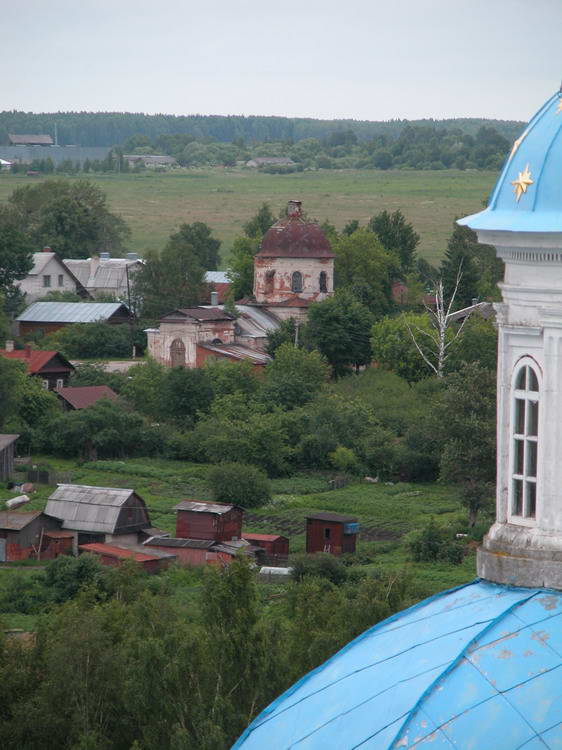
point(198, 519)
point(99, 514)
point(331, 532)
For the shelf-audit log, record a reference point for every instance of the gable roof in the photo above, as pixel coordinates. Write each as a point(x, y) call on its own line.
point(109, 273)
point(84, 508)
point(17, 520)
point(262, 537)
point(71, 312)
point(203, 506)
point(80, 397)
point(36, 360)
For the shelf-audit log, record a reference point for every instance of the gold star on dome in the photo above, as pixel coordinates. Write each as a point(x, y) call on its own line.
point(559, 108)
point(522, 183)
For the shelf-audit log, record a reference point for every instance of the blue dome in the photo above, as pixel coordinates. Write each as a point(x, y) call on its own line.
point(476, 667)
point(528, 194)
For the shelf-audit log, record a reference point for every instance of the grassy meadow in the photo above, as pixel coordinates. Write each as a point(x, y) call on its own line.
point(155, 204)
point(387, 512)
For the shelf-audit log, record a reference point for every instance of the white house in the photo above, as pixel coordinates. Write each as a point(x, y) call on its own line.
point(49, 273)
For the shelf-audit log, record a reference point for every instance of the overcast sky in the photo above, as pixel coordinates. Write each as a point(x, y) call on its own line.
point(362, 59)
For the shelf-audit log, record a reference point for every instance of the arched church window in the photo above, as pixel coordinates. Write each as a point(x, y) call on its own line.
point(269, 280)
point(323, 281)
point(296, 282)
point(524, 440)
point(177, 353)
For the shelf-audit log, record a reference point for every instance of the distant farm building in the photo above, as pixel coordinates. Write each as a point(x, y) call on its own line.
point(198, 519)
point(51, 367)
point(150, 560)
point(106, 275)
point(7, 455)
point(24, 149)
point(29, 140)
point(22, 534)
point(49, 273)
point(46, 317)
point(80, 397)
point(99, 514)
point(331, 532)
point(150, 161)
point(270, 161)
point(276, 547)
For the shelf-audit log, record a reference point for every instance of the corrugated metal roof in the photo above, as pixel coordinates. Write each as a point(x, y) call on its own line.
point(238, 352)
point(166, 541)
point(80, 397)
point(474, 667)
point(84, 508)
point(70, 312)
point(16, 520)
point(201, 506)
point(216, 277)
point(6, 440)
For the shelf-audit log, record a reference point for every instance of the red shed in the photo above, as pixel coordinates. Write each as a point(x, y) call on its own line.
point(198, 519)
point(56, 543)
point(151, 560)
point(276, 547)
point(331, 532)
point(187, 551)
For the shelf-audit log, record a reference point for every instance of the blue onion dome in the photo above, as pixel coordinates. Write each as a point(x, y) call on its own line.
point(528, 194)
point(477, 667)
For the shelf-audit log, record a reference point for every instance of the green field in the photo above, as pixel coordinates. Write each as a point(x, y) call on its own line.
point(155, 204)
point(387, 512)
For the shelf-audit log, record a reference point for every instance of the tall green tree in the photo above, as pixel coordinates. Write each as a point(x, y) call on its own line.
point(294, 377)
point(458, 267)
point(72, 218)
point(258, 225)
point(340, 328)
point(397, 236)
point(16, 248)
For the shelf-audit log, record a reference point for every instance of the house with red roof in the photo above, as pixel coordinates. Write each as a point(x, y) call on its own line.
point(80, 397)
point(53, 369)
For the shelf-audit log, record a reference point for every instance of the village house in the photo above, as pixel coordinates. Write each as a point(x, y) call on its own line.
point(99, 514)
point(51, 367)
point(268, 161)
point(81, 397)
point(49, 273)
point(104, 275)
point(7, 455)
point(331, 532)
point(293, 268)
point(46, 317)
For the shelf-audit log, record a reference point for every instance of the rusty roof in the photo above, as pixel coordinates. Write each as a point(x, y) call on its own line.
point(122, 552)
point(80, 397)
point(200, 314)
point(294, 237)
point(60, 534)
point(204, 506)
point(336, 517)
point(262, 537)
point(17, 520)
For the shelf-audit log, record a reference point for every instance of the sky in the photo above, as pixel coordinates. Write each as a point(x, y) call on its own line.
point(358, 59)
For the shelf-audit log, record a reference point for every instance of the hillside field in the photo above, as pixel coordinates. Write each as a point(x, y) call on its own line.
point(155, 204)
point(387, 513)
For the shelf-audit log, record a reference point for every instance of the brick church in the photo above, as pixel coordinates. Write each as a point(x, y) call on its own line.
point(293, 268)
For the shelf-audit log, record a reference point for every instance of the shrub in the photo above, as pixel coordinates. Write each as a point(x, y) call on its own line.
point(241, 484)
point(343, 459)
point(434, 544)
point(320, 565)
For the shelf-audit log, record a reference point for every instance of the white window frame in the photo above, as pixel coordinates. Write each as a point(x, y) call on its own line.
point(60, 383)
point(522, 474)
point(45, 384)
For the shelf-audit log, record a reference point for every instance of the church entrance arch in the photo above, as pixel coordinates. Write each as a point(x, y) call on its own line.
point(177, 353)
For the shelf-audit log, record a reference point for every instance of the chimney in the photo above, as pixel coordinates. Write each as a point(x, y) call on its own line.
point(294, 209)
point(9, 345)
point(214, 298)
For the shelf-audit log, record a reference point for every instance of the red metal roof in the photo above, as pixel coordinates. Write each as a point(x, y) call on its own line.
point(262, 537)
point(81, 397)
point(121, 553)
point(36, 360)
point(295, 238)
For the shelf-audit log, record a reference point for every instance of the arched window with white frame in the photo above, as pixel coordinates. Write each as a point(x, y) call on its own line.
point(524, 440)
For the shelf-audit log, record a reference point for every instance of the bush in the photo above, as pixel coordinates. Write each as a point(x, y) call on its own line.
point(320, 565)
point(434, 544)
point(91, 340)
point(343, 459)
point(241, 484)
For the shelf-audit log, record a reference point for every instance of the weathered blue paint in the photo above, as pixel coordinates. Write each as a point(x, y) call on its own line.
point(475, 667)
point(540, 208)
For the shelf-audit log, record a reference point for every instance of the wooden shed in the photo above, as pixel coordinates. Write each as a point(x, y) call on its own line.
point(276, 547)
point(331, 532)
point(151, 560)
point(197, 519)
point(22, 533)
point(7, 454)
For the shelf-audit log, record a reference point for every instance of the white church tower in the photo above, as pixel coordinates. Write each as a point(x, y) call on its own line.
point(524, 222)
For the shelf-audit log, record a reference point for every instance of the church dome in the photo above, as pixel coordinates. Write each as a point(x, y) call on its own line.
point(528, 194)
point(294, 237)
point(476, 667)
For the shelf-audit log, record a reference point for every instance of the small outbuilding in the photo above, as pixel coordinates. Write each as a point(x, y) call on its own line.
point(22, 533)
point(99, 514)
point(7, 455)
point(80, 397)
point(151, 560)
point(198, 519)
point(331, 532)
point(276, 547)
point(46, 317)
